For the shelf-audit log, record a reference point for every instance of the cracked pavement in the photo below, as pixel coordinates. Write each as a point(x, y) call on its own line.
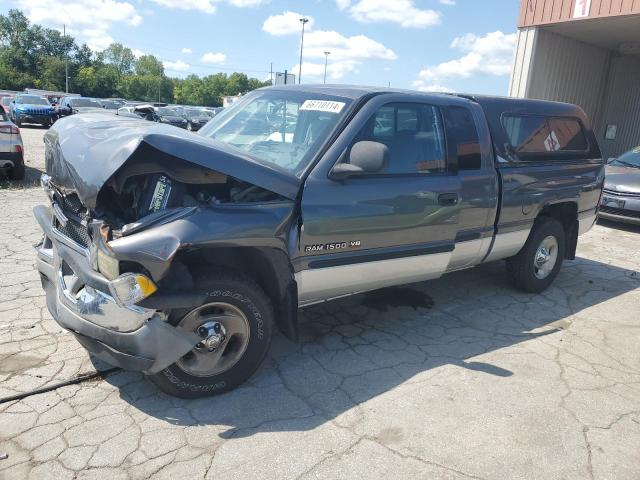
point(456, 378)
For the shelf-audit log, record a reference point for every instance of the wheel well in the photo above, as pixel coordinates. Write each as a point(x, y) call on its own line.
point(567, 214)
point(268, 267)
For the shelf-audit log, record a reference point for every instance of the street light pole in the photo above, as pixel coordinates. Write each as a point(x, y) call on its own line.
point(303, 21)
point(326, 60)
point(66, 62)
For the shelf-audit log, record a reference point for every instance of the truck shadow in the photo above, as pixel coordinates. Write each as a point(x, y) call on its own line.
point(355, 349)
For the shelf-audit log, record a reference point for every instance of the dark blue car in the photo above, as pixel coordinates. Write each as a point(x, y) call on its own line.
point(31, 109)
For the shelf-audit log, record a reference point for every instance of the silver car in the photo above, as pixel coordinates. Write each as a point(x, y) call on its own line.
point(621, 197)
point(11, 150)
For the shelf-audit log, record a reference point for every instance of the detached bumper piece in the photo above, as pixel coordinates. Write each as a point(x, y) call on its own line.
point(130, 337)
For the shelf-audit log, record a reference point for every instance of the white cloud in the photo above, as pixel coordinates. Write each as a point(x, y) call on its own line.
point(448, 2)
point(177, 66)
point(286, 23)
point(346, 53)
point(431, 87)
point(137, 52)
point(88, 20)
point(247, 3)
point(211, 57)
point(335, 70)
point(206, 6)
point(186, 50)
point(402, 12)
point(491, 54)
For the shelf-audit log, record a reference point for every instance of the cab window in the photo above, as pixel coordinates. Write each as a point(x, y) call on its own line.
point(413, 133)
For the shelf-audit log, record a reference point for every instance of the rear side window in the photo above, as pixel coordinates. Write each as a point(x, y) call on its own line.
point(538, 134)
point(462, 128)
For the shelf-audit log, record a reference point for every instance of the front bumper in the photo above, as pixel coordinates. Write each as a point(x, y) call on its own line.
point(620, 208)
point(133, 338)
point(33, 118)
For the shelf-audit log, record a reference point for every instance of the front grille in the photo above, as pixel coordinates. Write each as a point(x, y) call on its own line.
point(623, 212)
point(616, 193)
point(75, 231)
point(72, 202)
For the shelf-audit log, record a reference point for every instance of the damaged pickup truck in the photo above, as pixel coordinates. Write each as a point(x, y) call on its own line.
point(178, 254)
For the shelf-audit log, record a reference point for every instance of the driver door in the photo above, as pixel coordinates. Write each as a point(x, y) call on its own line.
point(377, 229)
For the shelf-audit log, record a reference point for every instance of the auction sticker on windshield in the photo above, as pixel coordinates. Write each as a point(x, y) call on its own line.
point(323, 106)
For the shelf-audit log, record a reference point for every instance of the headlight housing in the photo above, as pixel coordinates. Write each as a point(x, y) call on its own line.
point(130, 288)
point(107, 265)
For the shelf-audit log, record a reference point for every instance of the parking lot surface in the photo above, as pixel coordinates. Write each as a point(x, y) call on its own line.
point(457, 378)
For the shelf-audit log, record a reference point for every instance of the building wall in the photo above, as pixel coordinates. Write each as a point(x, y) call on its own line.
point(621, 106)
point(520, 74)
point(540, 12)
point(605, 84)
point(566, 70)
point(552, 67)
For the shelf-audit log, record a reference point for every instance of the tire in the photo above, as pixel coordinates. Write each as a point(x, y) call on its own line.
point(528, 272)
point(237, 294)
point(17, 172)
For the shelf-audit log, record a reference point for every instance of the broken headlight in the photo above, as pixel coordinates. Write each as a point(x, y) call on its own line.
point(130, 288)
point(107, 265)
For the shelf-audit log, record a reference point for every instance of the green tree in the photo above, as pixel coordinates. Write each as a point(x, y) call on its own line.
point(189, 91)
point(120, 57)
point(149, 65)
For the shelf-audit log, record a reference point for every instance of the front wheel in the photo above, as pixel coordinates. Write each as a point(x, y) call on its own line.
point(235, 323)
point(535, 267)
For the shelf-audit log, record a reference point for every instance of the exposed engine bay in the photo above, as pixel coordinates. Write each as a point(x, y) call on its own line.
point(122, 201)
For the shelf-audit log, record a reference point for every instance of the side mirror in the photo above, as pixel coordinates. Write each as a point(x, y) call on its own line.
point(365, 157)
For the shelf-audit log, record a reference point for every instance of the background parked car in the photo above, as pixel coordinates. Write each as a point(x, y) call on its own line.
point(195, 117)
point(5, 102)
point(144, 112)
point(69, 105)
point(170, 116)
point(25, 108)
point(11, 150)
point(621, 197)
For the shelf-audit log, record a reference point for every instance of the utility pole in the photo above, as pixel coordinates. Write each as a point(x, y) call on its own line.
point(66, 62)
point(159, 85)
point(326, 60)
point(303, 21)
point(271, 73)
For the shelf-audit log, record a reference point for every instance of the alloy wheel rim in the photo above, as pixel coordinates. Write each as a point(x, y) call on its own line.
point(229, 333)
point(546, 257)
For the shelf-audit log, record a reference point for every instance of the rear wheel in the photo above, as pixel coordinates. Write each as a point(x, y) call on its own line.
point(235, 323)
point(17, 171)
point(535, 267)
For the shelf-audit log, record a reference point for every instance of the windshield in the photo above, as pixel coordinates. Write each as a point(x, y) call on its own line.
point(164, 111)
point(32, 100)
point(6, 101)
point(629, 159)
point(281, 128)
point(84, 102)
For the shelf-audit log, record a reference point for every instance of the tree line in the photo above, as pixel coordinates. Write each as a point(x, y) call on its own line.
point(33, 56)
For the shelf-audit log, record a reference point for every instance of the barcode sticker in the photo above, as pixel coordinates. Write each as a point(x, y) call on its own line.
point(323, 106)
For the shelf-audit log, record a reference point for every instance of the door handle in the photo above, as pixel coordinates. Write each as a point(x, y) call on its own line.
point(448, 199)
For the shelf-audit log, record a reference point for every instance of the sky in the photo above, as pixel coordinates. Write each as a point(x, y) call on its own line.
point(429, 45)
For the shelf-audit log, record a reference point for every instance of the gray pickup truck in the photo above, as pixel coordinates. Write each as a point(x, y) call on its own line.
point(178, 254)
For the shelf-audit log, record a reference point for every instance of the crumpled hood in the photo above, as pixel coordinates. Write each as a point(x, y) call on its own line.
point(623, 179)
point(84, 151)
